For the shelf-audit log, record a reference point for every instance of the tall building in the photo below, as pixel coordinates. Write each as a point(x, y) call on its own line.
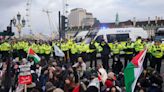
point(79, 18)
point(88, 21)
point(75, 17)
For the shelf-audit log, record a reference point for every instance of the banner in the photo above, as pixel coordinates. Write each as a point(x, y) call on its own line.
point(58, 51)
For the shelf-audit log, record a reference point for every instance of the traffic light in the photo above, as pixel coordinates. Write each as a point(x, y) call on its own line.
point(64, 23)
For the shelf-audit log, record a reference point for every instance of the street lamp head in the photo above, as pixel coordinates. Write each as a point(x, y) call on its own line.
point(23, 22)
point(18, 16)
point(14, 21)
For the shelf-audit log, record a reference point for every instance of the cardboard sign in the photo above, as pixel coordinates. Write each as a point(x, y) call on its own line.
point(25, 79)
point(24, 70)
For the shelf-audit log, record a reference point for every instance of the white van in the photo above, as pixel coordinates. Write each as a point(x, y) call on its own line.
point(120, 34)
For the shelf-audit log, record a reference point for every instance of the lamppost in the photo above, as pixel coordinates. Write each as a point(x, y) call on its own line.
point(20, 24)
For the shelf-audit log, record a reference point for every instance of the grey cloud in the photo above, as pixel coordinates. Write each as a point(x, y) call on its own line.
point(104, 10)
point(5, 4)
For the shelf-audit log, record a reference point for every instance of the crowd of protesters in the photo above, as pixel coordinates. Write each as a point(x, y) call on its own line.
point(72, 74)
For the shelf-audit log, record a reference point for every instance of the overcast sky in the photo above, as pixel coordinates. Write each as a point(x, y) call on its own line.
point(104, 10)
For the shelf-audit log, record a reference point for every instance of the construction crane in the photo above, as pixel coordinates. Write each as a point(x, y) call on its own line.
point(49, 19)
point(65, 7)
point(28, 15)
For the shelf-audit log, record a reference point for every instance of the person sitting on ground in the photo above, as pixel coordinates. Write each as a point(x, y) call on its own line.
point(110, 80)
point(102, 73)
point(94, 85)
point(80, 66)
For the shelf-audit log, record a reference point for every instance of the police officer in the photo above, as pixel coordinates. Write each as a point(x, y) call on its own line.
point(138, 45)
point(117, 64)
point(64, 48)
point(74, 53)
point(48, 50)
point(25, 49)
point(157, 54)
point(148, 44)
point(129, 49)
point(116, 48)
point(20, 48)
point(83, 48)
point(105, 54)
point(41, 49)
point(92, 53)
point(15, 52)
point(5, 48)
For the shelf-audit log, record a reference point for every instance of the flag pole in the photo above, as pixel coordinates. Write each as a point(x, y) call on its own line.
point(25, 87)
point(28, 53)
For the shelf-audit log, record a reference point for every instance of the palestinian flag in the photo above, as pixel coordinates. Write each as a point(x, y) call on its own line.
point(32, 54)
point(133, 71)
